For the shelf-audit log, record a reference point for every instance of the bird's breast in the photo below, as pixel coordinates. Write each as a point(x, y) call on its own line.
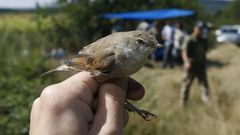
point(129, 61)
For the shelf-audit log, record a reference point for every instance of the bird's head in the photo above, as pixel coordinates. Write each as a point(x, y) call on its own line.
point(146, 40)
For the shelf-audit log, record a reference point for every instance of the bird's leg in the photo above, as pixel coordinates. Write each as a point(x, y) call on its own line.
point(144, 114)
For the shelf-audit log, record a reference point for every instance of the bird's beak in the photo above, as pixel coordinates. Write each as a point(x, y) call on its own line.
point(159, 46)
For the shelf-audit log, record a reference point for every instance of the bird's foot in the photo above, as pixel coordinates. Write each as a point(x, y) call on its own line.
point(143, 113)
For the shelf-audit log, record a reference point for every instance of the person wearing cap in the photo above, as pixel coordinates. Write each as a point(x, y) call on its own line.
point(194, 51)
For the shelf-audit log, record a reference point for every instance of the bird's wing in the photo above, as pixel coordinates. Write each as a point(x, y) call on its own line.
point(100, 44)
point(98, 63)
point(85, 49)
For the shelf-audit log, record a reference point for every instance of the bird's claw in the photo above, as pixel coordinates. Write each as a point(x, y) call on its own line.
point(144, 114)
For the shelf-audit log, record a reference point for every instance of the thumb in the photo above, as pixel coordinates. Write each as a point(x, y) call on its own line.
point(109, 118)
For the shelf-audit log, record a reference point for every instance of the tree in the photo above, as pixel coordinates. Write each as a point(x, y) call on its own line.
point(230, 15)
point(80, 21)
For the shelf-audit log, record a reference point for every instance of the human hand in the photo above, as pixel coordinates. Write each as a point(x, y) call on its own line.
point(66, 108)
point(187, 65)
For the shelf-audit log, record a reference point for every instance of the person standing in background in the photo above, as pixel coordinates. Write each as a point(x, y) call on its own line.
point(194, 57)
point(117, 27)
point(168, 37)
point(143, 26)
point(179, 36)
point(152, 29)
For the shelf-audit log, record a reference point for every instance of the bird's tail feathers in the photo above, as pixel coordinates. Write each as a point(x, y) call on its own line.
point(63, 67)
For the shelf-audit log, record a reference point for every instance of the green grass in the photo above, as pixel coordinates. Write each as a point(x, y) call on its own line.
point(27, 22)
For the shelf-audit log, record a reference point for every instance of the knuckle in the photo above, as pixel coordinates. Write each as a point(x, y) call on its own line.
point(49, 92)
point(36, 102)
point(81, 91)
point(51, 98)
point(85, 93)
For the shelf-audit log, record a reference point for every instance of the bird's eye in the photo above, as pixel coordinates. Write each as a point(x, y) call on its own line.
point(140, 41)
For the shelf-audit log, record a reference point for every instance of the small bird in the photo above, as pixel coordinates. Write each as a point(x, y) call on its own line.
point(118, 55)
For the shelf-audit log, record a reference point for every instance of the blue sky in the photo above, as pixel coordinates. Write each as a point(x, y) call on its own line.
point(23, 3)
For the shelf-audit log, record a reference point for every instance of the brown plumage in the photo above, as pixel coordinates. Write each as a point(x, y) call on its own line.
point(115, 56)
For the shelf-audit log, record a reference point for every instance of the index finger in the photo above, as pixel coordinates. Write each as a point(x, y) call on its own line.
point(81, 85)
point(81, 78)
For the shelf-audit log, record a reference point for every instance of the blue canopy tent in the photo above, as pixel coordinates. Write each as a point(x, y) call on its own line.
point(150, 14)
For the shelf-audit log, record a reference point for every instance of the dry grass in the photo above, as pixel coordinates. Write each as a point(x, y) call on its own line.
point(221, 117)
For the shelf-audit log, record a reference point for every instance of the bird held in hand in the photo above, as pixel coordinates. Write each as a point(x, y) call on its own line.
point(115, 56)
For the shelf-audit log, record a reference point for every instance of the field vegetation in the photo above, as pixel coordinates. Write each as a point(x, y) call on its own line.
point(27, 38)
point(22, 61)
point(220, 117)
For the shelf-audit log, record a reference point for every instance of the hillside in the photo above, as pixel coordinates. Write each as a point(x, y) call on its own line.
point(221, 117)
point(213, 6)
